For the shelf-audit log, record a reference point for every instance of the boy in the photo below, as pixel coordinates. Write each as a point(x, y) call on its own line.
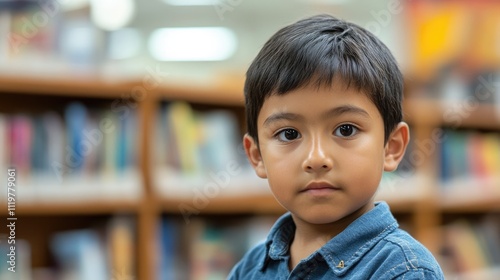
point(323, 100)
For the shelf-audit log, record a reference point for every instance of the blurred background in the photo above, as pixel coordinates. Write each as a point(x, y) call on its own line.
point(121, 125)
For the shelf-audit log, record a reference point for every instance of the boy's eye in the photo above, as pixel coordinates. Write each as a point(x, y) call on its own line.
point(345, 130)
point(288, 135)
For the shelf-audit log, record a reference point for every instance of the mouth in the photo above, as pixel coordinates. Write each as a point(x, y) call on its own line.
point(319, 188)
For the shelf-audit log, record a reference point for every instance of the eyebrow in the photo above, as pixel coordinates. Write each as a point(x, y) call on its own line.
point(345, 109)
point(282, 116)
point(334, 112)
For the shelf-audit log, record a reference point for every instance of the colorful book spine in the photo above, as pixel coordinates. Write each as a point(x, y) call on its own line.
point(470, 155)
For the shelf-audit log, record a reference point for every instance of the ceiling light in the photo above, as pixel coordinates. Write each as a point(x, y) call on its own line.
point(112, 14)
point(192, 44)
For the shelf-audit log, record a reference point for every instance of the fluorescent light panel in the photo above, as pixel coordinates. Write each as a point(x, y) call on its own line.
point(192, 44)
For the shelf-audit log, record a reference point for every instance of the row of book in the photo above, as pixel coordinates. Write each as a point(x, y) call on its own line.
point(100, 253)
point(206, 248)
point(472, 248)
point(196, 150)
point(190, 141)
point(85, 148)
point(203, 249)
point(466, 155)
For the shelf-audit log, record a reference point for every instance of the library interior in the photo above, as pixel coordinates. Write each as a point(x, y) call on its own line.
point(121, 126)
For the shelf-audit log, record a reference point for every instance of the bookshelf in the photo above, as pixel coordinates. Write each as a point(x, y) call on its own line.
point(420, 205)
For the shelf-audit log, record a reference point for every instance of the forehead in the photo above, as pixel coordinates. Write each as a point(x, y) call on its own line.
point(312, 101)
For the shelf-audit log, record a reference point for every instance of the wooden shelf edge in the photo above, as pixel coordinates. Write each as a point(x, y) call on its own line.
point(73, 87)
point(264, 204)
point(432, 113)
point(245, 204)
point(470, 196)
point(205, 95)
point(72, 208)
point(472, 203)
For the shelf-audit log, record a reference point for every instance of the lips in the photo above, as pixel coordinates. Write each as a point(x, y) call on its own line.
point(319, 187)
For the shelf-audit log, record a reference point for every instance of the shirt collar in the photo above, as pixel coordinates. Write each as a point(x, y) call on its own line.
point(279, 239)
point(347, 247)
point(358, 238)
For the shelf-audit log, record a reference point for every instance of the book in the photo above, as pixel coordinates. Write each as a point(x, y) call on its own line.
point(171, 262)
point(491, 154)
point(4, 147)
point(80, 255)
point(184, 131)
point(475, 151)
point(120, 242)
point(465, 247)
point(219, 140)
point(15, 265)
point(56, 139)
point(20, 133)
point(110, 144)
point(75, 116)
point(39, 144)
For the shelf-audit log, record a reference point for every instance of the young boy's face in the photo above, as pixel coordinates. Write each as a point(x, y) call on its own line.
point(323, 152)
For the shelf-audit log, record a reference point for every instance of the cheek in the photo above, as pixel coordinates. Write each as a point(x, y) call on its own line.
point(368, 157)
point(278, 162)
point(280, 166)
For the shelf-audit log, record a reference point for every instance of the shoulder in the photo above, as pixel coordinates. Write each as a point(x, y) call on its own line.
point(409, 259)
point(256, 260)
point(251, 262)
point(416, 274)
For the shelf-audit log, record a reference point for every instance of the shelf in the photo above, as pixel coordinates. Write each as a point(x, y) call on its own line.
point(433, 113)
point(248, 204)
point(72, 208)
point(154, 192)
point(471, 204)
point(400, 205)
point(206, 95)
point(179, 192)
point(65, 87)
point(487, 273)
point(471, 196)
point(263, 204)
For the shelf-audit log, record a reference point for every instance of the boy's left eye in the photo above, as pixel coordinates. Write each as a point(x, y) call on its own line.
point(345, 130)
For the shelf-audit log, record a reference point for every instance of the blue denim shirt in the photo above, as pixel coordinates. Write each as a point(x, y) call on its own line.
point(372, 247)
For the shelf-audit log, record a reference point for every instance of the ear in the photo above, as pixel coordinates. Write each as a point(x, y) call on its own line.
point(396, 146)
point(253, 154)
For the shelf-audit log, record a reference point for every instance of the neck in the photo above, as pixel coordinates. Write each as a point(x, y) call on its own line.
point(309, 237)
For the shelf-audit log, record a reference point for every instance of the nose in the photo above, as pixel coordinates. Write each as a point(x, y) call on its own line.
point(317, 159)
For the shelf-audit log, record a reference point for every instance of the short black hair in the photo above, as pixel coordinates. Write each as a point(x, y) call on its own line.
point(317, 50)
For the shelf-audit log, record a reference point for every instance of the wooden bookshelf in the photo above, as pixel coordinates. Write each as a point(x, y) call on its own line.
point(423, 210)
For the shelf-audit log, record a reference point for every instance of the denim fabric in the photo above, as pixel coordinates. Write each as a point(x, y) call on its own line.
point(372, 247)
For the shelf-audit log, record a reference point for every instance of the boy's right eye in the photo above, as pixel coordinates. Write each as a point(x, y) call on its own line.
point(287, 135)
